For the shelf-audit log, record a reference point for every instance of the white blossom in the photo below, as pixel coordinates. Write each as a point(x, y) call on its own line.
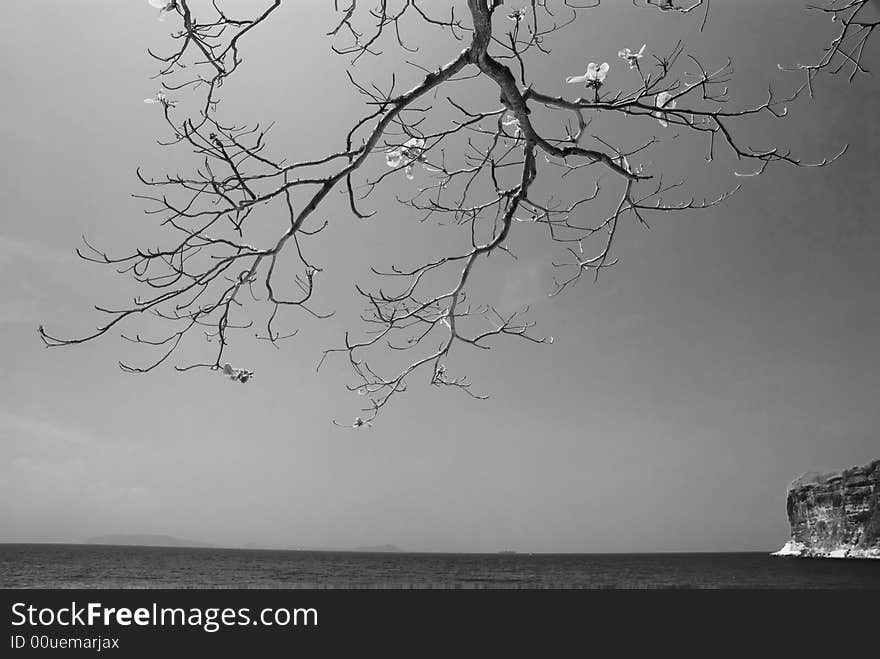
point(160, 98)
point(236, 374)
point(664, 5)
point(510, 121)
point(405, 155)
point(164, 6)
point(662, 100)
point(631, 57)
point(594, 77)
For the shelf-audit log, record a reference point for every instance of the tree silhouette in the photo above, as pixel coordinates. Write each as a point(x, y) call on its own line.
point(482, 169)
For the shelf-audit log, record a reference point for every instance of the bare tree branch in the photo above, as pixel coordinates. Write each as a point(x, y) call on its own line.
point(478, 171)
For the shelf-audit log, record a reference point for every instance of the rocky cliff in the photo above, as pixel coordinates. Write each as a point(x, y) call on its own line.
point(835, 515)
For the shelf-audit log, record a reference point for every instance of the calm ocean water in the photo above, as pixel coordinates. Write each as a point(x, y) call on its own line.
point(100, 566)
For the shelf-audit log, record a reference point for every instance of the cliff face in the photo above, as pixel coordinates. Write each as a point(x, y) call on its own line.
point(835, 515)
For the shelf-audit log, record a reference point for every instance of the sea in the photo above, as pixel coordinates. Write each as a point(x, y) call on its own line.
point(105, 566)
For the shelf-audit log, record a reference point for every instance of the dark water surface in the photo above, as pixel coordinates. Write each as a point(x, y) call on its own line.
point(103, 566)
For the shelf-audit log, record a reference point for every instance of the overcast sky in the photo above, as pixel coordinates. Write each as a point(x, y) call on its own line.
point(728, 351)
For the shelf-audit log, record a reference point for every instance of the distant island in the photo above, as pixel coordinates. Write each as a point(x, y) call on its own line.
point(143, 540)
point(153, 540)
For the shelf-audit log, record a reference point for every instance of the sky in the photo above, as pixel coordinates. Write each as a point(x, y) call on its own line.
point(729, 350)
